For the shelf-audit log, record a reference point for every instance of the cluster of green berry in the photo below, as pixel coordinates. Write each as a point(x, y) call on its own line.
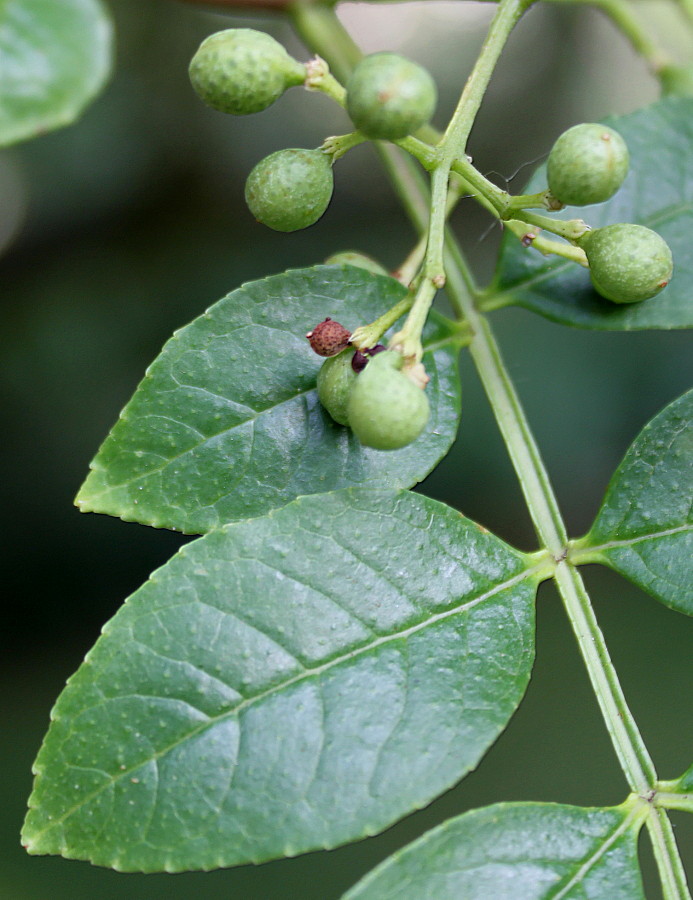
point(379, 395)
point(628, 263)
point(242, 71)
point(371, 392)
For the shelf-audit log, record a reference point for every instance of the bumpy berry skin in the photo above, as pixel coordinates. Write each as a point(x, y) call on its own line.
point(335, 381)
point(242, 71)
point(359, 260)
point(389, 97)
point(290, 189)
point(386, 410)
point(628, 263)
point(587, 164)
point(328, 338)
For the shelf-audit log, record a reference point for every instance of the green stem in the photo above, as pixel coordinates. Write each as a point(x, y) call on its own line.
point(407, 341)
point(506, 17)
point(630, 748)
point(570, 229)
point(687, 6)
point(323, 33)
point(499, 203)
point(406, 271)
point(452, 147)
point(506, 405)
point(542, 200)
point(339, 144)
point(529, 236)
point(369, 335)
point(496, 200)
point(408, 182)
point(671, 871)
point(543, 508)
point(621, 14)
point(434, 268)
point(319, 78)
point(541, 501)
point(672, 800)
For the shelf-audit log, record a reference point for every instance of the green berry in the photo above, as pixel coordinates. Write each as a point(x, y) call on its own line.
point(389, 97)
point(587, 164)
point(386, 410)
point(290, 189)
point(335, 381)
point(242, 71)
point(628, 263)
point(359, 260)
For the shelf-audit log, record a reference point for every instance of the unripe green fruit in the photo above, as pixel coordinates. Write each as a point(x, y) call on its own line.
point(242, 71)
point(628, 263)
point(335, 381)
point(587, 164)
point(386, 410)
point(389, 97)
point(290, 189)
point(359, 260)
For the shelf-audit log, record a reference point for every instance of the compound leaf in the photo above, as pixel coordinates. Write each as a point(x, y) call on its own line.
point(660, 139)
point(515, 851)
point(644, 528)
point(227, 424)
point(288, 683)
point(55, 55)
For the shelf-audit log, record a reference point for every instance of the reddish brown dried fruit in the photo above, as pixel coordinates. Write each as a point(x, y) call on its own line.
point(359, 361)
point(329, 338)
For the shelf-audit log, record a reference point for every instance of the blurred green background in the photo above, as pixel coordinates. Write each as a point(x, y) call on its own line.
point(126, 226)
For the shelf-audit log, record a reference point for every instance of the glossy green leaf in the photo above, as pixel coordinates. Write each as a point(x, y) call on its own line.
point(686, 782)
point(55, 55)
point(515, 851)
point(288, 683)
point(227, 423)
point(658, 192)
point(644, 528)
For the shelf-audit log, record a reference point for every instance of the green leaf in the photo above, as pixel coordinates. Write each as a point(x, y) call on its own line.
point(658, 192)
point(227, 424)
point(288, 683)
point(55, 55)
point(515, 851)
point(685, 783)
point(644, 528)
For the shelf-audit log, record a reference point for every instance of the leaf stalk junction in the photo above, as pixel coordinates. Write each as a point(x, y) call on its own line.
point(443, 264)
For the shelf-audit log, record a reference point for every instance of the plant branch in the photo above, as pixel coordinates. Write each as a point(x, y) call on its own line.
point(536, 487)
point(621, 14)
point(624, 733)
point(671, 871)
point(506, 17)
point(541, 501)
point(687, 6)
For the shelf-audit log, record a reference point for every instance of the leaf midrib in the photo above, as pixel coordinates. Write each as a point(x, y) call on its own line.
point(628, 542)
point(559, 892)
point(534, 571)
point(97, 466)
